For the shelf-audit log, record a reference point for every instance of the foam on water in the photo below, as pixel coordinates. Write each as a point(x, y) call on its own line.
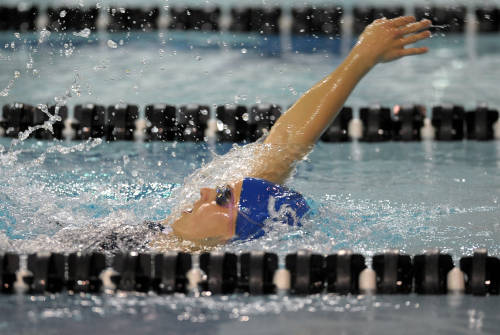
point(83, 196)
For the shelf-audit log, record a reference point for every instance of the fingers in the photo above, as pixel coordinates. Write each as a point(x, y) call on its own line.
point(396, 54)
point(413, 51)
point(414, 27)
point(414, 38)
point(402, 21)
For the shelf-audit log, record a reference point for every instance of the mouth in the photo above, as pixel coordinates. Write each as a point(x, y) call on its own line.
point(188, 211)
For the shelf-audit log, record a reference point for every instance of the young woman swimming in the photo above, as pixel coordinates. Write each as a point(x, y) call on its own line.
point(240, 210)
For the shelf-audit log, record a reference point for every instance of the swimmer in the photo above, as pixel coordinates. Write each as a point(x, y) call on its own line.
point(239, 210)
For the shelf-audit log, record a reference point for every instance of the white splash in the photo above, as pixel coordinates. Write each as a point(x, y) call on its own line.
point(44, 35)
point(10, 85)
point(112, 44)
point(84, 33)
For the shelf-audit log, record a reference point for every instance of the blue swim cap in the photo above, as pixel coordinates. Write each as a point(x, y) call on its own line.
point(261, 200)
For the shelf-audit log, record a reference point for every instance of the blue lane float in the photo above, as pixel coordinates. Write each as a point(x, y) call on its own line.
point(255, 273)
point(242, 124)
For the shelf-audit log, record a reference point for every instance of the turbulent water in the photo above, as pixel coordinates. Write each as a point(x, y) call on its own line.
point(364, 196)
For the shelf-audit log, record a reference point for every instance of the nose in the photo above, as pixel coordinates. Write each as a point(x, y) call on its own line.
point(205, 194)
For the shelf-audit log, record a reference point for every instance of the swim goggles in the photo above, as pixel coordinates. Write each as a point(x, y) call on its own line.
point(224, 197)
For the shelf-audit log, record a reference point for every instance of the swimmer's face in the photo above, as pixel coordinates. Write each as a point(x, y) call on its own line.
point(208, 221)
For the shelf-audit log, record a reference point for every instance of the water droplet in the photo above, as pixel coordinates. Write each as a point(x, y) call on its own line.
point(17, 35)
point(62, 13)
point(244, 51)
point(44, 35)
point(84, 33)
point(112, 44)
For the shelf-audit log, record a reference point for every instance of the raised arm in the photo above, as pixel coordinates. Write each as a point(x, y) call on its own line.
point(300, 127)
point(382, 41)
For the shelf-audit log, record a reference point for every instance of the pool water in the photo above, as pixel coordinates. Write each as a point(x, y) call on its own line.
point(218, 68)
point(64, 196)
point(248, 315)
point(366, 197)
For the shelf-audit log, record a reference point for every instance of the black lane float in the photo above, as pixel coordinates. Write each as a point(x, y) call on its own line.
point(256, 273)
point(242, 124)
point(263, 20)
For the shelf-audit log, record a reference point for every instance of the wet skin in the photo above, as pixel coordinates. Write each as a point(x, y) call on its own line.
point(382, 41)
point(207, 222)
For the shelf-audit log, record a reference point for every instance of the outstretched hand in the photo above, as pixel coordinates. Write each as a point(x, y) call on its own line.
point(385, 40)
